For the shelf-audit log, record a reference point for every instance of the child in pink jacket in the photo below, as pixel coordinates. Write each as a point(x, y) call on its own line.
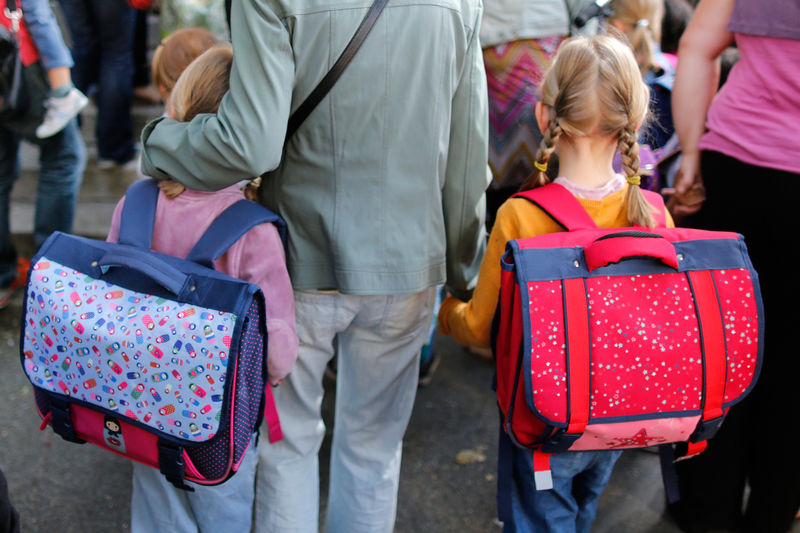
point(182, 216)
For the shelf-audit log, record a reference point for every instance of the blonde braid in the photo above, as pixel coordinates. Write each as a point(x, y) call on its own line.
point(546, 148)
point(639, 210)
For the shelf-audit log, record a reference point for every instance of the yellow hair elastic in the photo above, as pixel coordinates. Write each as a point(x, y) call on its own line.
point(634, 180)
point(542, 167)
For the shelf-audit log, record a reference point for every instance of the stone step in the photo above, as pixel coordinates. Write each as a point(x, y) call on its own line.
point(100, 191)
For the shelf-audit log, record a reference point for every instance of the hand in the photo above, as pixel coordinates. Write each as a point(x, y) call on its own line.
point(251, 190)
point(171, 189)
point(688, 195)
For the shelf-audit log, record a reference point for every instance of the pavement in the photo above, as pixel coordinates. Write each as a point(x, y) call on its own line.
point(59, 486)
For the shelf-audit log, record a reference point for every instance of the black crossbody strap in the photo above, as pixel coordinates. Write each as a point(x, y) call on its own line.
point(325, 85)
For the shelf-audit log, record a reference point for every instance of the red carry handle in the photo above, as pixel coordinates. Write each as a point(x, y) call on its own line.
point(615, 247)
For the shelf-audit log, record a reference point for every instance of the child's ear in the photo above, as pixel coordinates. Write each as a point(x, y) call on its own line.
point(164, 93)
point(542, 116)
point(619, 26)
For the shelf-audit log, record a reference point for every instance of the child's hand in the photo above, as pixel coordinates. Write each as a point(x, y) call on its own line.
point(171, 189)
point(251, 190)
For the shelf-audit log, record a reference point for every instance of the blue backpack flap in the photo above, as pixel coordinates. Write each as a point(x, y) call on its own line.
point(154, 357)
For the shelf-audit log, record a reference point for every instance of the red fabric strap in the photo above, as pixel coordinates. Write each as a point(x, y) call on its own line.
point(271, 416)
point(614, 249)
point(560, 205)
point(695, 448)
point(657, 201)
point(509, 300)
point(578, 354)
point(713, 339)
point(509, 337)
point(542, 476)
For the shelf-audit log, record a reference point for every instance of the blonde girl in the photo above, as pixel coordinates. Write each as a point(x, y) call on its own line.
point(593, 101)
point(257, 257)
point(640, 21)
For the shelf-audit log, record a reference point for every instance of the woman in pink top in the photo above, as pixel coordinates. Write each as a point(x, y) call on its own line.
point(740, 171)
point(182, 216)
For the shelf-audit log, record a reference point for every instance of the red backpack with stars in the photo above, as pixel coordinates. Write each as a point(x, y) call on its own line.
point(622, 338)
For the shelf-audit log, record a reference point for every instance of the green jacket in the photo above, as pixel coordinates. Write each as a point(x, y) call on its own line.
point(383, 184)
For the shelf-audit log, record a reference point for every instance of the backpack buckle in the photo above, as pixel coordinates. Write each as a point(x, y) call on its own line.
point(170, 463)
point(560, 442)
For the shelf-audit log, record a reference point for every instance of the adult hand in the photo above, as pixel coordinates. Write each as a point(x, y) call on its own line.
point(171, 189)
point(688, 194)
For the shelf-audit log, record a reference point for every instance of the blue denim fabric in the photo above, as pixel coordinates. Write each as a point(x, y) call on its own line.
point(46, 34)
point(379, 339)
point(158, 507)
point(570, 506)
point(102, 34)
point(62, 159)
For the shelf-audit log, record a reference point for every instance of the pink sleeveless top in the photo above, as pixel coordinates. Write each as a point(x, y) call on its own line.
point(755, 117)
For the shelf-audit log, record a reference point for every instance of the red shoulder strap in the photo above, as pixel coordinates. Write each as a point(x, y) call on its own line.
point(657, 201)
point(567, 211)
point(560, 205)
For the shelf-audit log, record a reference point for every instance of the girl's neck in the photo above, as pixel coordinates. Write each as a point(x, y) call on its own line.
point(587, 161)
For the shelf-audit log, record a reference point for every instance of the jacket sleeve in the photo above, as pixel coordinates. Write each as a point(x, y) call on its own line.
point(245, 138)
point(470, 322)
point(467, 173)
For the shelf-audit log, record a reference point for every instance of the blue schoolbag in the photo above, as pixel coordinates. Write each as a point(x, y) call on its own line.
point(156, 358)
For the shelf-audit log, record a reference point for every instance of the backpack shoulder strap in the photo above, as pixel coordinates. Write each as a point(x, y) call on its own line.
point(657, 201)
point(560, 205)
point(139, 214)
point(236, 220)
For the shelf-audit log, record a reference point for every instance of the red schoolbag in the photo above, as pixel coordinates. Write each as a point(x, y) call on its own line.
point(625, 337)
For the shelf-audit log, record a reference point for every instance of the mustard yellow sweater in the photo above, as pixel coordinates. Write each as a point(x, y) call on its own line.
point(470, 322)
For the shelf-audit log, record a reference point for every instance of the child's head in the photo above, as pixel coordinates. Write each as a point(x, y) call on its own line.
point(640, 21)
point(594, 88)
point(175, 53)
point(202, 85)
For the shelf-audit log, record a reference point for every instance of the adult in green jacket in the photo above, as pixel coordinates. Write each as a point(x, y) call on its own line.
point(382, 191)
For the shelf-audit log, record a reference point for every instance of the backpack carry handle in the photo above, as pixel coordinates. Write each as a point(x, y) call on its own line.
point(616, 247)
point(146, 264)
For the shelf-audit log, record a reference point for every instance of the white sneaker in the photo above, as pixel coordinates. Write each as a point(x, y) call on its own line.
point(60, 111)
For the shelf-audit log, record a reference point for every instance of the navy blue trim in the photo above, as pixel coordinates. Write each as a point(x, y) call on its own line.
point(702, 346)
point(558, 264)
point(139, 214)
point(214, 290)
point(211, 288)
point(550, 264)
point(669, 475)
point(505, 475)
point(760, 308)
point(229, 226)
point(646, 416)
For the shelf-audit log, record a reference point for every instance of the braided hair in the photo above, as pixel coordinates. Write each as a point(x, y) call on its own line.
point(594, 87)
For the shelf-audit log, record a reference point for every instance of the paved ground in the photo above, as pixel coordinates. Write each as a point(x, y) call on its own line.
point(58, 486)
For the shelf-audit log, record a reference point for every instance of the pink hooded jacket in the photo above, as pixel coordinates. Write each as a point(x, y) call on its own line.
point(257, 257)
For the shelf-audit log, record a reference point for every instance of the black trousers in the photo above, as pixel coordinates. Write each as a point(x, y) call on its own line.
point(9, 519)
point(756, 443)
